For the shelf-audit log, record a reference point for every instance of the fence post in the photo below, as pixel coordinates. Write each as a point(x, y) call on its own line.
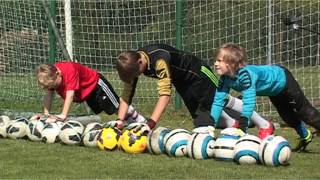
point(179, 16)
point(52, 37)
point(270, 18)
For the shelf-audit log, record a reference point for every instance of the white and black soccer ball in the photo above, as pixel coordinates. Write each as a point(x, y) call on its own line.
point(175, 142)
point(50, 132)
point(90, 138)
point(224, 147)
point(155, 142)
point(71, 132)
point(4, 123)
point(247, 150)
point(274, 151)
point(34, 130)
point(90, 135)
point(17, 129)
point(92, 126)
point(200, 146)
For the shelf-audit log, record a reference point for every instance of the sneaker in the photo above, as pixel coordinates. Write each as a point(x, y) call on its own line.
point(265, 132)
point(304, 142)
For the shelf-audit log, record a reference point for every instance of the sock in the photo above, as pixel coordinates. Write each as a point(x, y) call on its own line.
point(236, 105)
point(134, 116)
point(302, 130)
point(226, 120)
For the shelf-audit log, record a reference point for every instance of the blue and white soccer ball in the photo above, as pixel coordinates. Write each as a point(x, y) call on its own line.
point(246, 150)
point(71, 132)
point(34, 130)
point(201, 146)
point(176, 141)
point(274, 151)
point(224, 147)
point(17, 129)
point(4, 123)
point(155, 140)
point(50, 132)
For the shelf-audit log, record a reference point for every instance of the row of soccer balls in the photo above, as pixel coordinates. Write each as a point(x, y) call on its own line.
point(72, 133)
point(69, 132)
point(248, 149)
point(273, 151)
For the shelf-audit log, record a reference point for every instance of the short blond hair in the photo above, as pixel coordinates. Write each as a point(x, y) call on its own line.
point(234, 55)
point(46, 75)
point(128, 65)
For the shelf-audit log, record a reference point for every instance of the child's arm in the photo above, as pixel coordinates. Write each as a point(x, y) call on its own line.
point(66, 105)
point(123, 109)
point(164, 89)
point(220, 99)
point(160, 107)
point(47, 101)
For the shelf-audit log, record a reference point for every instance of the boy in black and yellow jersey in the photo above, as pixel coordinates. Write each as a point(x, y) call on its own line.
point(194, 81)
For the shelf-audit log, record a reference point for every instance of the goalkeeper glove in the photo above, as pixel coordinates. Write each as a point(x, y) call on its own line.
point(116, 123)
point(145, 128)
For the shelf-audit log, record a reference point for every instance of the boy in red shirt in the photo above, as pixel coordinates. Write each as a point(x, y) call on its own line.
point(75, 82)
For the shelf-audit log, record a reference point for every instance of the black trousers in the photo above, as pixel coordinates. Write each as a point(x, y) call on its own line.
point(198, 97)
point(103, 98)
point(293, 106)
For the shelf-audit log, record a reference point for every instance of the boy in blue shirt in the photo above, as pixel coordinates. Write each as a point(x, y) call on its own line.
point(273, 81)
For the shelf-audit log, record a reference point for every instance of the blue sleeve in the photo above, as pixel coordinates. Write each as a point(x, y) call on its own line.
point(221, 96)
point(247, 82)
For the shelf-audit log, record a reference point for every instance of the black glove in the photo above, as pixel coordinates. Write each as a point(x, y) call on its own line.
point(243, 124)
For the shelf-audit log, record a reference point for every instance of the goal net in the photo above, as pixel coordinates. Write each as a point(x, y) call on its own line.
point(95, 32)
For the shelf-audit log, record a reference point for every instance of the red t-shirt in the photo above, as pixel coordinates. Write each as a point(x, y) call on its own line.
point(77, 77)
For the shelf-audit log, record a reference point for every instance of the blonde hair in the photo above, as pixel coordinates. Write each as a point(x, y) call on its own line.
point(47, 75)
point(234, 55)
point(128, 65)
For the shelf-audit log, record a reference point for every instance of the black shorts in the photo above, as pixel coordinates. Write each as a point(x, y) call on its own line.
point(103, 98)
point(198, 95)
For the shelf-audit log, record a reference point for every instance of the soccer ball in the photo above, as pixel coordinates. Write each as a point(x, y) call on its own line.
point(34, 130)
point(71, 132)
point(4, 123)
point(92, 126)
point(108, 139)
point(274, 151)
point(133, 142)
point(90, 134)
point(247, 150)
point(50, 132)
point(200, 146)
point(90, 138)
point(155, 140)
point(176, 141)
point(224, 147)
point(17, 128)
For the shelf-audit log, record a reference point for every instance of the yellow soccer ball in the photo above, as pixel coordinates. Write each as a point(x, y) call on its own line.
point(108, 139)
point(133, 142)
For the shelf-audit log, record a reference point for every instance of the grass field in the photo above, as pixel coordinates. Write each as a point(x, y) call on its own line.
point(23, 159)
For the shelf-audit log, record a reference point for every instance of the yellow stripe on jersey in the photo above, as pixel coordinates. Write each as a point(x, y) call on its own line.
point(164, 82)
point(210, 75)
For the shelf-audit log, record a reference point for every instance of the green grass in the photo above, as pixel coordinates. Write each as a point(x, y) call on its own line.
point(31, 160)
point(35, 160)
